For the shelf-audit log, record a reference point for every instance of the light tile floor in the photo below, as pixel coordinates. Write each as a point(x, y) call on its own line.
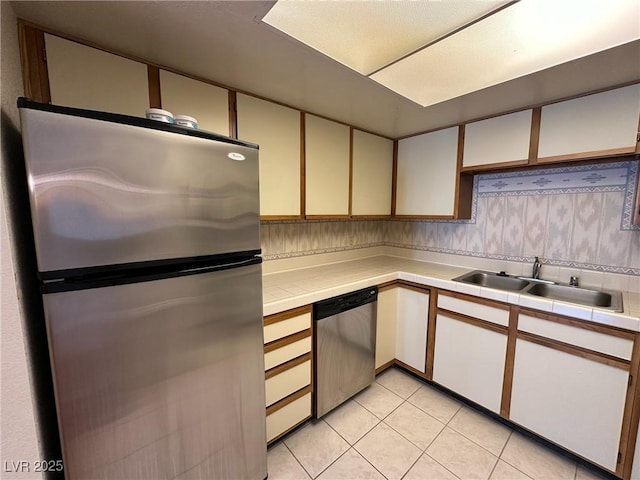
point(402, 428)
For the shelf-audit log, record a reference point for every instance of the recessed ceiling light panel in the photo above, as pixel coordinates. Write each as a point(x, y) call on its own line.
point(527, 37)
point(409, 47)
point(368, 35)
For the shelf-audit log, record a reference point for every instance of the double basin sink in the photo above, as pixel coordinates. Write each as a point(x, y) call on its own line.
point(606, 299)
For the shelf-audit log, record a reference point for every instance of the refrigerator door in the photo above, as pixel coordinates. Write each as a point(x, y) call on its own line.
point(162, 379)
point(107, 193)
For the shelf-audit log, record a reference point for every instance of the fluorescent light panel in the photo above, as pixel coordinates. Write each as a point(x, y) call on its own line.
point(368, 35)
point(523, 38)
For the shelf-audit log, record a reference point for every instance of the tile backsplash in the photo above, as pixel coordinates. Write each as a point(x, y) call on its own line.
point(577, 217)
point(285, 239)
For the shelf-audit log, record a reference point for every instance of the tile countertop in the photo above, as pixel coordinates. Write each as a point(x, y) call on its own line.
point(295, 288)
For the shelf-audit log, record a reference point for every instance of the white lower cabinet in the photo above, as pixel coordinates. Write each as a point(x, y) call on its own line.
point(287, 382)
point(470, 360)
point(573, 401)
point(288, 370)
point(288, 416)
point(386, 318)
point(635, 471)
point(411, 328)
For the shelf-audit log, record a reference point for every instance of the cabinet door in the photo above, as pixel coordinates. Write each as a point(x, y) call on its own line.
point(85, 77)
point(277, 130)
point(503, 139)
point(606, 122)
point(573, 401)
point(470, 361)
point(635, 470)
point(411, 329)
point(208, 104)
point(372, 174)
point(387, 318)
point(427, 172)
point(327, 167)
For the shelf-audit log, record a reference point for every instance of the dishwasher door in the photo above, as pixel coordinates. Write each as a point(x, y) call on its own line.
point(345, 349)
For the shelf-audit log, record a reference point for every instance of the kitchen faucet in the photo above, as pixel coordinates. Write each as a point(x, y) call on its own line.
point(536, 268)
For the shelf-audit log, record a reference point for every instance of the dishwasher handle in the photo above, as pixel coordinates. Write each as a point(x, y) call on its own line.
point(333, 306)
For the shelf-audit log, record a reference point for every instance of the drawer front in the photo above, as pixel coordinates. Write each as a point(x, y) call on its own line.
point(287, 327)
point(287, 382)
point(596, 341)
point(475, 310)
point(288, 416)
point(286, 353)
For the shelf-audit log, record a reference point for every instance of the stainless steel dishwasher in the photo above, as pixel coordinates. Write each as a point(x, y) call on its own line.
point(345, 335)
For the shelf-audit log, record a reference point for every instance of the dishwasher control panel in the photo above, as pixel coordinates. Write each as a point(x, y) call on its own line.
point(342, 303)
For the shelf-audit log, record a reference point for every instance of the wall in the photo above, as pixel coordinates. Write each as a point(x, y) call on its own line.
point(18, 431)
point(575, 216)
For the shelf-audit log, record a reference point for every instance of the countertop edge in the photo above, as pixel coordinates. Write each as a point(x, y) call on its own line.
point(619, 320)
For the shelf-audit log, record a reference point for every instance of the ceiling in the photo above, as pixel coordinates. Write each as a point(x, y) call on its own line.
point(225, 42)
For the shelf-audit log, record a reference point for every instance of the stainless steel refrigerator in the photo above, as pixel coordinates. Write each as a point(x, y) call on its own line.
point(147, 236)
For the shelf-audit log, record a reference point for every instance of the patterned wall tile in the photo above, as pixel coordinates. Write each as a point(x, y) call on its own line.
point(598, 177)
point(276, 238)
point(513, 229)
point(264, 237)
point(634, 249)
point(304, 239)
point(291, 237)
point(586, 227)
point(615, 244)
point(315, 232)
point(430, 233)
point(558, 230)
point(536, 224)
point(459, 237)
point(493, 230)
point(445, 235)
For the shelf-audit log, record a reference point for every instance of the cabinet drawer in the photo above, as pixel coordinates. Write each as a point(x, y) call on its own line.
point(280, 329)
point(286, 353)
point(475, 310)
point(287, 382)
point(288, 416)
point(596, 341)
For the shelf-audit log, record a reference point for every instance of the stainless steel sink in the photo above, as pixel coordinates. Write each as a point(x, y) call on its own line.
point(492, 280)
point(583, 296)
point(605, 299)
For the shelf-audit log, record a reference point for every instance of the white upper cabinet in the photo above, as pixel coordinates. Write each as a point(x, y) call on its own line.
point(85, 77)
point(327, 167)
point(208, 104)
point(427, 173)
point(372, 174)
point(276, 129)
point(497, 140)
point(604, 122)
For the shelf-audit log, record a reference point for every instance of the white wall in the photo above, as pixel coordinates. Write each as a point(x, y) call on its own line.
point(18, 423)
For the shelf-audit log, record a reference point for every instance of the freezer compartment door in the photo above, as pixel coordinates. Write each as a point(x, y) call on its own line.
point(105, 193)
point(161, 379)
